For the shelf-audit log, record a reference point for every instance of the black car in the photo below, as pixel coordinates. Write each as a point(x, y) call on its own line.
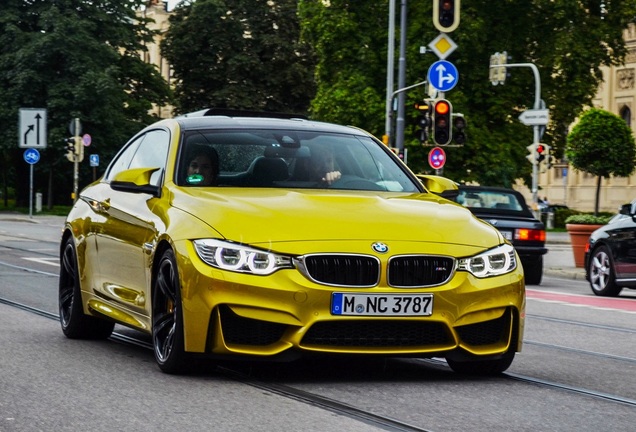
point(610, 255)
point(506, 210)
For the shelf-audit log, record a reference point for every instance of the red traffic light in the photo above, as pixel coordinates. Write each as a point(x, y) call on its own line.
point(446, 15)
point(442, 107)
point(540, 148)
point(442, 124)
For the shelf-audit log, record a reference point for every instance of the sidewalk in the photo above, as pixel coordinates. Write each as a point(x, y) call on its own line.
point(558, 262)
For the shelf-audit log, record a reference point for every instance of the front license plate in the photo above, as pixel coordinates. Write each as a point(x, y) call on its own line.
point(382, 304)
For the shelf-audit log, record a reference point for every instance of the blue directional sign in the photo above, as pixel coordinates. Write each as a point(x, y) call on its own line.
point(94, 160)
point(31, 156)
point(443, 75)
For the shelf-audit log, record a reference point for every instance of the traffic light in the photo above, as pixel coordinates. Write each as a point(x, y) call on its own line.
point(70, 148)
point(498, 71)
point(446, 15)
point(459, 124)
point(442, 123)
point(74, 149)
point(532, 153)
point(424, 122)
point(542, 152)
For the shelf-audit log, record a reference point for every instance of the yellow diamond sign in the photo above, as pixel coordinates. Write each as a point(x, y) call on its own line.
point(442, 46)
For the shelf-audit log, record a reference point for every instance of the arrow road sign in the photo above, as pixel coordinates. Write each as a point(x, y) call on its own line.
point(32, 128)
point(443, 75)
point(535, 117)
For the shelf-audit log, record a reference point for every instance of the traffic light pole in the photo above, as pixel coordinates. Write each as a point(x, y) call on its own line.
point(399, 127)
point(76, 161)
point(537, 128)
point(390, 113)
point(389, 74)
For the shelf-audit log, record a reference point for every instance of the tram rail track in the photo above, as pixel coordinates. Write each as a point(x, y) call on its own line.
point(344, 409)
point(337, 407)
point(385, 423)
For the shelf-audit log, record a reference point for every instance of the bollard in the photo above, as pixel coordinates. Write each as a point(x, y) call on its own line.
point(550, 220)
point(38, 202)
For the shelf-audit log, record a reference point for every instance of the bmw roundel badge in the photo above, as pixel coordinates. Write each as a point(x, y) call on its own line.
point(380, 247)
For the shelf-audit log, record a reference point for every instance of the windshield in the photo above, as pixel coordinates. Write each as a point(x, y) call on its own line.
point(486, 199)
point(288, 159)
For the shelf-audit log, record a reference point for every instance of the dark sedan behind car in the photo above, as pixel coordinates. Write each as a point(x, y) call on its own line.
point(506, 210)
point(610, 255)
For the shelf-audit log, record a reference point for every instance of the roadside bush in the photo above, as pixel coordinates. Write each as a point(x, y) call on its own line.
point(561, 214)
point(589, 218)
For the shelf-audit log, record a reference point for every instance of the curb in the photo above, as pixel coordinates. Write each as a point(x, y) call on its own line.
point(565, 273)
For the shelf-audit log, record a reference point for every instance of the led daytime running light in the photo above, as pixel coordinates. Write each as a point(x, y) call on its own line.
point(239, 258)
point(494, 262)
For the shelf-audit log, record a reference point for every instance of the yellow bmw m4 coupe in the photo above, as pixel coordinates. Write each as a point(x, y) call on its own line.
point(227, 234)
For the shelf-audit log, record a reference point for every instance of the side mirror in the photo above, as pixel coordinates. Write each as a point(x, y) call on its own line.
point(626, 209)
point(136, 180)
point(439, 185)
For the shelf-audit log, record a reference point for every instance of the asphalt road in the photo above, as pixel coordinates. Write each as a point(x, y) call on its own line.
point(574, 372)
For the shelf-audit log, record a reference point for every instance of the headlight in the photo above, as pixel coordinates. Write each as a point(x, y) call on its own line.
point(239, 258)
point(494, 262)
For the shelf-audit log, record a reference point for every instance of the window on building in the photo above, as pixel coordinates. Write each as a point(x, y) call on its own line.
point(626, 114)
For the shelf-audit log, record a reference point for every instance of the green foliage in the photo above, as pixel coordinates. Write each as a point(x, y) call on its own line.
point(75, 58)
point(588, 219)
point(567, 40)
point(349, 41)
point(239, 54)
point(560, 216)
point(602, 144)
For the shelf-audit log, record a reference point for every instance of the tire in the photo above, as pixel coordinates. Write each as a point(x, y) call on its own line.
point(75, 323)
point(601, 273)
point(483, 367)
point(533, 271)
point(167, 317)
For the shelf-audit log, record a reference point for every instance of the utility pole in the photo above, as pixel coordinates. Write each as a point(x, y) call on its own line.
point(399, 127)
point(390, 60)
point(536, 127)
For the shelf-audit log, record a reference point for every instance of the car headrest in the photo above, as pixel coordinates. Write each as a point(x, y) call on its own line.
point(265, 171)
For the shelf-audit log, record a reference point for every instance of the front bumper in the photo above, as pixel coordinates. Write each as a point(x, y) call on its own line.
point(235, 314)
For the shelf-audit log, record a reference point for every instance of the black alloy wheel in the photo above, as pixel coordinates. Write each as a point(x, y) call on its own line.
point(167, 317)
point(75, 323)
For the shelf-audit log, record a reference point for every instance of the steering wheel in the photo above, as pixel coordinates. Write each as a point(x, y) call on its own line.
point(355, 182)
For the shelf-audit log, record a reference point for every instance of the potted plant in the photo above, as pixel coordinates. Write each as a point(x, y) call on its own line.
point(580, 226)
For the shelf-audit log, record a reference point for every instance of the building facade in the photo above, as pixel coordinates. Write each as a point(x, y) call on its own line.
point(158, 11)
point(576, 189)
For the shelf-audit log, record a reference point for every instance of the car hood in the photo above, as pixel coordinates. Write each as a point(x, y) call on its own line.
point(255, 216)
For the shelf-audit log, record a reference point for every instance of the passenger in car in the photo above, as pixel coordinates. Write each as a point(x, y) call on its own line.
point(203, 168)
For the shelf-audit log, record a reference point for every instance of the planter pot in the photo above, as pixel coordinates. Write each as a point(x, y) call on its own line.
point(579, 233)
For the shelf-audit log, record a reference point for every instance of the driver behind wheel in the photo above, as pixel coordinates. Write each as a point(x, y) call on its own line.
point(322, 166)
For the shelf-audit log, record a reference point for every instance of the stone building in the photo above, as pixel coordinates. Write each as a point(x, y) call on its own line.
point(158, 11)
point(617, 94)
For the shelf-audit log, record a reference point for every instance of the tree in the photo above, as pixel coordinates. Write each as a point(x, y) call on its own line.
point(349, 40)
point(76, 58)
point(568, 40)
point(239, 54)
point(601, 144)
